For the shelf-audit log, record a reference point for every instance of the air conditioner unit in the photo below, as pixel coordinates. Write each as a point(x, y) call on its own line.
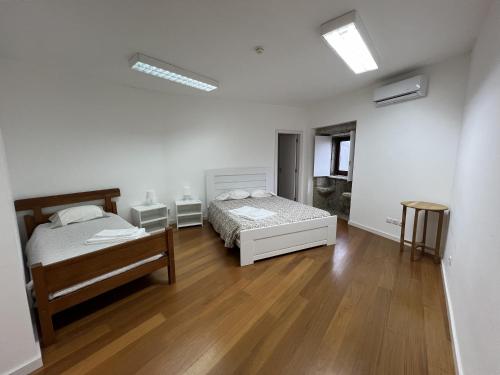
point(408, 89)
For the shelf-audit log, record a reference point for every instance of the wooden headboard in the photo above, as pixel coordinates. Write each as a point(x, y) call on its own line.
point(36, 205)
point(226, 179)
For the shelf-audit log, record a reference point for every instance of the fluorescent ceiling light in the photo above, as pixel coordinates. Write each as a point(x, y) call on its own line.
point(161, 69)
point(346, 35)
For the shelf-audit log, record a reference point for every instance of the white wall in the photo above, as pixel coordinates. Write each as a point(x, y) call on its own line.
point(65, 133)
point(473, 278)
point(17, 340)
point(405, 151)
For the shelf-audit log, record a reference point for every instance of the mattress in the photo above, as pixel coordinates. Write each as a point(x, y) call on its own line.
point(49, 245)
point(229, 225)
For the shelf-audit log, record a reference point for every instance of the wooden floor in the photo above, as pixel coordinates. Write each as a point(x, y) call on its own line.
point(358, 308)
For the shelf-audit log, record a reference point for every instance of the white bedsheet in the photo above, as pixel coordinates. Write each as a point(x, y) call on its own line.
point(49, 245)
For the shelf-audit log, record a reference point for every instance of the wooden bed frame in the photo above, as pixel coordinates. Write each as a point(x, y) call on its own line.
point(267, 242)
point(60, 275)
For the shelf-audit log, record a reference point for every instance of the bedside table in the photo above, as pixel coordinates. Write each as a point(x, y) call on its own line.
point(189, 213)
point(152, 217)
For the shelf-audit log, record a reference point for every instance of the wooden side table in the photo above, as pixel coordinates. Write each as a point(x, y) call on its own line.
point(426, 207)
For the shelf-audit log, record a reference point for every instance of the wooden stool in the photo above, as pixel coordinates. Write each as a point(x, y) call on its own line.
point(426, 207)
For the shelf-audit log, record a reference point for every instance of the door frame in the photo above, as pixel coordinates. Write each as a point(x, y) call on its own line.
point(300, 153)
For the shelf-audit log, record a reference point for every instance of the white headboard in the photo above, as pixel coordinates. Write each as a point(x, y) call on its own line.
point(226, 179)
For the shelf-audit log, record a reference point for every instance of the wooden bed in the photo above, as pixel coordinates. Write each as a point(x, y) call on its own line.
point(63, 274)
point(261, 243)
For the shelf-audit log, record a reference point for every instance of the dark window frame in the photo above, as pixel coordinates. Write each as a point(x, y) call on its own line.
point(336, 160)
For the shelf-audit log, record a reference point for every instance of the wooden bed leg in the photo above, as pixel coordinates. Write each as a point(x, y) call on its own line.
point(46, 328)
point(171, 257)
point(42, 300)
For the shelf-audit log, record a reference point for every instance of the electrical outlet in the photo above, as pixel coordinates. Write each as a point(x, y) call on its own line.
point(449, 260)
point(168, 212)
point(391, 220)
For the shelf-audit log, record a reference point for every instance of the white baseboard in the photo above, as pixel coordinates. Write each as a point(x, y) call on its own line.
point(374, 231)
point(29, 367)
point(451, 321)
point(382, 234)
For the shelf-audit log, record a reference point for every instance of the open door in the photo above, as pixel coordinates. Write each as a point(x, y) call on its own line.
point(288, 165)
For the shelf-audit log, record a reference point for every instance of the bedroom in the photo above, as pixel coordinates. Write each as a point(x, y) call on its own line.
point(74, 117)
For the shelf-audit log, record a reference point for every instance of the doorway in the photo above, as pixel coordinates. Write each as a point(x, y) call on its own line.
point(333, 168)
point(288, 163)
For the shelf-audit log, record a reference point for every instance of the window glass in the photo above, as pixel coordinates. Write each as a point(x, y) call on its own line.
point(345, 147)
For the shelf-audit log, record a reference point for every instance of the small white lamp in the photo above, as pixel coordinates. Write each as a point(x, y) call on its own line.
point(150, 197)
point(187, 193)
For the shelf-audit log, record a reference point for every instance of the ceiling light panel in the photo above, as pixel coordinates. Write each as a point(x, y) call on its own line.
point(162, 69)
point(347, 36)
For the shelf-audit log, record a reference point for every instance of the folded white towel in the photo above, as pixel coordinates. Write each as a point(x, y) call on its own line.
point(252, 213)
point(109, 233)
point(99, 238)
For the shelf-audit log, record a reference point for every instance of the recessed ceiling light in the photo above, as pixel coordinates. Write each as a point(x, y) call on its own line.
point(161, 69)
point(347, 36)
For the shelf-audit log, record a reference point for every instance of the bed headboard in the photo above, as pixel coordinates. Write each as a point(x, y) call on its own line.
point(226, 179)
point(36, 205)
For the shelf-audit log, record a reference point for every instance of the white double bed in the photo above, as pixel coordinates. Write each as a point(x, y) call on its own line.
point(294, 227)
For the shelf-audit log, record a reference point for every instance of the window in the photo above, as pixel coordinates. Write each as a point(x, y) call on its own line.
point(342, 147)
point(332, 154)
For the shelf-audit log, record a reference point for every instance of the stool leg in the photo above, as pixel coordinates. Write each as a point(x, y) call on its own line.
point(437, 257)
point(414, 238)
point(403, 223)
point(424, 236)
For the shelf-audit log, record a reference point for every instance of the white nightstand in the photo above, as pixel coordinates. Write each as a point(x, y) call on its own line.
point(188, 213)
point(151, 217)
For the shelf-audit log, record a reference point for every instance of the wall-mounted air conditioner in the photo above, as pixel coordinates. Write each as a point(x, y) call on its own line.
point(408, 89)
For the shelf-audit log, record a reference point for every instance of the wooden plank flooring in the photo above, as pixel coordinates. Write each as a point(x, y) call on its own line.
point(357, 308)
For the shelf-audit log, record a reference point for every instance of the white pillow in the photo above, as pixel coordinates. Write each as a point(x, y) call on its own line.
point(238, 194)
point(233, 194)
point(259, 193)
point(222, 197)
point(76, 215)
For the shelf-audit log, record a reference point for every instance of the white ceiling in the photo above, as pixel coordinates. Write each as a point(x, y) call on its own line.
point(216, 38)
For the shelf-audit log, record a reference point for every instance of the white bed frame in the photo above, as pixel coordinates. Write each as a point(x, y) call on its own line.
point(267, 242)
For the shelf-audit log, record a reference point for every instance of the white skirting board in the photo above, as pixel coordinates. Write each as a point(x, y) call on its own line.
point(29, 367)
point(451, 321)
point(383, 234)
point(374, 231)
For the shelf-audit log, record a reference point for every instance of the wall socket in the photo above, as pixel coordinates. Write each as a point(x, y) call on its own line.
point(391, 220)
point(450, 259)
